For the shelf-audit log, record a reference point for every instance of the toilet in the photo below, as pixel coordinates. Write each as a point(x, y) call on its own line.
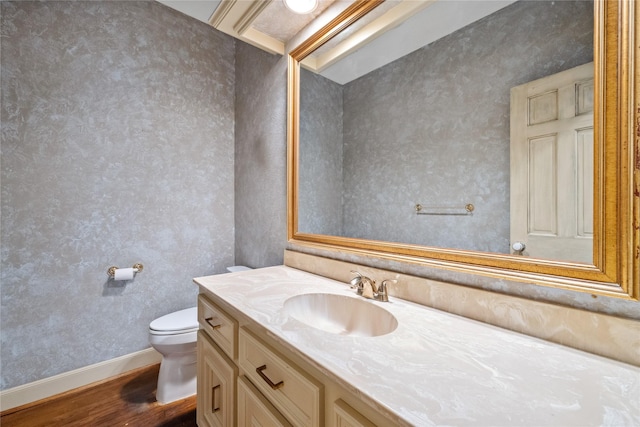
point(174, 336)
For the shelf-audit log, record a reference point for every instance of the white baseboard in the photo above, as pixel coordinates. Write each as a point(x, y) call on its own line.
point(51, 386)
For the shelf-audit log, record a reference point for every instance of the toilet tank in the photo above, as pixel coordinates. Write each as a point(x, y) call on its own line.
point(235, 268)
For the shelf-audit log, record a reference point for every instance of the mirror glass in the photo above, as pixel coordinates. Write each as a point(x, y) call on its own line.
point(480, 138)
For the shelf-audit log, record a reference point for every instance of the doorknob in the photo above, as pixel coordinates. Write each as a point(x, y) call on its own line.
point(519, 247)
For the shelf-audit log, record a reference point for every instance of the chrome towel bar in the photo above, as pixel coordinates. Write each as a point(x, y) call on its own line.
point(426, 210)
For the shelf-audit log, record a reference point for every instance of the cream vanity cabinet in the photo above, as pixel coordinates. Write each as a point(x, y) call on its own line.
point(217, 371)
point(246, 378)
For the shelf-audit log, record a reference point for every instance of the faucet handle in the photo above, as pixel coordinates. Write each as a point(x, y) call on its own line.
point(356, 282)
point(383, 292)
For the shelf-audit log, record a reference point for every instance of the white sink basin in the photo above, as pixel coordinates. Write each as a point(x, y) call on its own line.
point(341, 314)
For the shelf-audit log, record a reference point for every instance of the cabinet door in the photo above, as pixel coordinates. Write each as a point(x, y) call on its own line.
point(254, 410)
point(216, 385)
point(345, 416)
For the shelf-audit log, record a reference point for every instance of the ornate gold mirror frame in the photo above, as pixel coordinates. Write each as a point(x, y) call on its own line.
point(615, 271)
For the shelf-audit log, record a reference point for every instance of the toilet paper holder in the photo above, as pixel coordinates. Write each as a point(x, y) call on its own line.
point(136, 267)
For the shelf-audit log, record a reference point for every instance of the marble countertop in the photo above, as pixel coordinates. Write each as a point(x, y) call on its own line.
point(437, 368)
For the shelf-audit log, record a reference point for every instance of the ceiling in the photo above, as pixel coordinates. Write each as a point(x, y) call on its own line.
point(407, 25)
point(267, 24)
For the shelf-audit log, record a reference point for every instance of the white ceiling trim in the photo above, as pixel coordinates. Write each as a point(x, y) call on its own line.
point(263, 41)
point(221, 12)
point(443, 17)
point(250, 15)
point(235, 17)
point(369, 32)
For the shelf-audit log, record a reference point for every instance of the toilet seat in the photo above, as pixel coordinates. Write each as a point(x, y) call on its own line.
point(180, 322)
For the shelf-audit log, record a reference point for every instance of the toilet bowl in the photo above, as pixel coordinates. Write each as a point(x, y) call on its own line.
point(174, 336)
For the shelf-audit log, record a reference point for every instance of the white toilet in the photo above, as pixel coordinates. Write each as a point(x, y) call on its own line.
point(174, 336)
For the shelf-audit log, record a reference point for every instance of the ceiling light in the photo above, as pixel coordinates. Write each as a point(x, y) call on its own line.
point(301, 6)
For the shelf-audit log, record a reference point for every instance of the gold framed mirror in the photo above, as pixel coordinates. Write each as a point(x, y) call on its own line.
point(614, 271)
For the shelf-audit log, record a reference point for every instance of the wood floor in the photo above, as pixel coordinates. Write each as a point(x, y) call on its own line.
point(126, 400)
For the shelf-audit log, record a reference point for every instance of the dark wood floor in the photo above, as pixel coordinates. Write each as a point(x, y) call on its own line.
point(126, 400)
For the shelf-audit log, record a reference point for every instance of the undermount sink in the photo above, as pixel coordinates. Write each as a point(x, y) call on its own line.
point(341, 314)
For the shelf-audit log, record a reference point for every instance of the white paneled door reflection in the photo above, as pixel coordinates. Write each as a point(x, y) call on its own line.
point(552, 166)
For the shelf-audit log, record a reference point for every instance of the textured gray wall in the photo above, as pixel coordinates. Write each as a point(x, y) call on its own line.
point(117, 148)
point(321, 146)
point(261, 157)
point(433, 128)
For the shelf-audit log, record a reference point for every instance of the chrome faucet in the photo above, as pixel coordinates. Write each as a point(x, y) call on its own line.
point(367, 287)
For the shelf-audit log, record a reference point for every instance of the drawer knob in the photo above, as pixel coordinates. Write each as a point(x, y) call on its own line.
point(273, 385)
point(209, 319)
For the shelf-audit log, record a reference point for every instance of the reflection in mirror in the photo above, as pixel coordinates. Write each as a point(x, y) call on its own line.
point(436, 128)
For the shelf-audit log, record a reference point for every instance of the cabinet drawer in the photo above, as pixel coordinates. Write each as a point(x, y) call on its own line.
point(295, 394)
point(216, 385)
point(254, 409)
point(221, 327)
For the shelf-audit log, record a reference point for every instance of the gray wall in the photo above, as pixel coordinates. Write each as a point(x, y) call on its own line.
point(433, 127)
point(321, 154)
point(117, 148)
point(261, 157)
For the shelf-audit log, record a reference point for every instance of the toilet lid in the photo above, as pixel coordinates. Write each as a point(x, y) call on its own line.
point(178, 321)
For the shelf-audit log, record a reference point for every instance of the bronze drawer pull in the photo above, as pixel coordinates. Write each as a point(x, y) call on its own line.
point(209, 319)
point(213, 399)
point(268, 381)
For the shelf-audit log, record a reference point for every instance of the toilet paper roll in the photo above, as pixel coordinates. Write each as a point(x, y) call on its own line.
point(124, 274)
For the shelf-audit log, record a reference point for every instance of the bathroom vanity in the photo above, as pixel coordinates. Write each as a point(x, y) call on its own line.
point(260, 360)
